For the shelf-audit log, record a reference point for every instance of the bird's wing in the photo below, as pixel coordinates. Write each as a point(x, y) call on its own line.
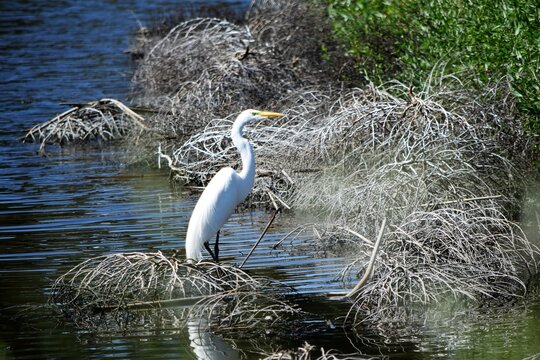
point(216, 204)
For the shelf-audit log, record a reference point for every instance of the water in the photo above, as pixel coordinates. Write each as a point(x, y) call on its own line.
point(74, 204)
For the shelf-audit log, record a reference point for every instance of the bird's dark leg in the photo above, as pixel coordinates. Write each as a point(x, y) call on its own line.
point(207, 247)
point(216, 247)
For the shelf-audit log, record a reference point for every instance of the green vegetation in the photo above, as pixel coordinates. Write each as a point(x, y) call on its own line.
point(407, 39)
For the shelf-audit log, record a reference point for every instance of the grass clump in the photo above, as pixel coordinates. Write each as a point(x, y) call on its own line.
point(485, 40)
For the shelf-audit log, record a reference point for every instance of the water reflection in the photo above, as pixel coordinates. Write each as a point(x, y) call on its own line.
point(207, 345)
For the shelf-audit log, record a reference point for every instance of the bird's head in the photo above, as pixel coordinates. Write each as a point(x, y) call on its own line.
point(250, 115)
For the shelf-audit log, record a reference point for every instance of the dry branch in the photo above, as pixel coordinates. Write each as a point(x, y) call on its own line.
point(369, 268)
point(105, 119)
point(121, 284)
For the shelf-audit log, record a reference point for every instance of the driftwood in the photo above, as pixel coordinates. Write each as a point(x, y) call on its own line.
point(369, 268)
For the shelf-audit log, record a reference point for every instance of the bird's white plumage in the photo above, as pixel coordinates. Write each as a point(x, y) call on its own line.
point(214, 207)
point(225, 191)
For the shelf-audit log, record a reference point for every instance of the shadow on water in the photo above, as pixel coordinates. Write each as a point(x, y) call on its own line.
point(59, 210)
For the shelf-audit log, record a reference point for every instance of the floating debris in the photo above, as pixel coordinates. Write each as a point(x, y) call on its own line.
point(105, 119)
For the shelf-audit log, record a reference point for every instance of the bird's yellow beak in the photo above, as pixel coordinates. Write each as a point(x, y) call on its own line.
point(269, 114)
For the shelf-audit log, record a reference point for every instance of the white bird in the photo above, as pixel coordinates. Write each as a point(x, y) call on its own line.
point(224, 192)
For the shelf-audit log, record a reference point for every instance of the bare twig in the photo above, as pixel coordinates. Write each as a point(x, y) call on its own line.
point(369, 267)
point(260, 237)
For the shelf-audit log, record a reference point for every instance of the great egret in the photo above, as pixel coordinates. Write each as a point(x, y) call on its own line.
point(224, 192)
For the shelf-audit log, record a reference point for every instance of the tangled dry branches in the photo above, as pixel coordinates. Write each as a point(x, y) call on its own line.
point(465, 254)
point(105, 119)
point(306, 352)
point(120, 287)
point(207, 68)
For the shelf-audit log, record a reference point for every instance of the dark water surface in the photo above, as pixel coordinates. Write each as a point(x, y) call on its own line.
point(75, 204)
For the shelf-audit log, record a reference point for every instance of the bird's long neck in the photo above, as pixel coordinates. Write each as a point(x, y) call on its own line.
point(248, 157)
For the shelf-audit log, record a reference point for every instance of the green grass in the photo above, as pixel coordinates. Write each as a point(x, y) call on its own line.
point(407, 39)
